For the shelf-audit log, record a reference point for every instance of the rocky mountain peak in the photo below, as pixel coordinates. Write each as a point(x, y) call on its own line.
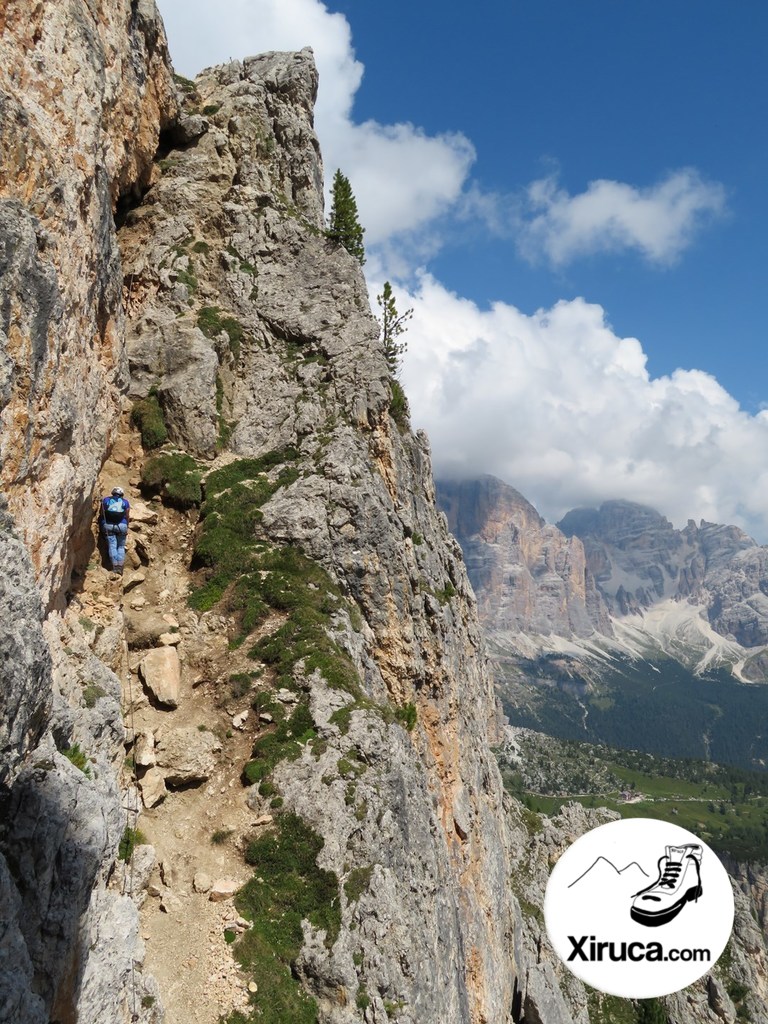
point(528, 577)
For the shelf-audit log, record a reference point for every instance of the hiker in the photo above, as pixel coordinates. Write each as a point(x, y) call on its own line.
point(115, 510)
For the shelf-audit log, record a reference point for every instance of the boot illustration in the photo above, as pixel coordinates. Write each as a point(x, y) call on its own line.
point(679, 882)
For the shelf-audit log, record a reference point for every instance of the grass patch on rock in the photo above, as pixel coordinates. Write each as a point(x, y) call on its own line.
point(284, 743)
point(147, 417)
point(78, 758)
point(288, 887)
point(357, 882)
point(175, 477)
point(132, 837)
point(211, 322)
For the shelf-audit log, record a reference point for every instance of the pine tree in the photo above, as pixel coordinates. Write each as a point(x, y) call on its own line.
point(344, 226)
point(393, 324)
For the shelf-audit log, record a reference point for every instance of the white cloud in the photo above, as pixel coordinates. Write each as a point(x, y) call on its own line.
point(402, 177)
point(564, 410)
point(553, 403)
point(659, 222)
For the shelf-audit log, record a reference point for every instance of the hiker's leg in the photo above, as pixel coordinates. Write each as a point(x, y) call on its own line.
point(109, 531)
point(121, 535)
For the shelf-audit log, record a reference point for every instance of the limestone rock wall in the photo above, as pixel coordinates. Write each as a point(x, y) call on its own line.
point(528, 576)
point(235, 286)
point(85, 90)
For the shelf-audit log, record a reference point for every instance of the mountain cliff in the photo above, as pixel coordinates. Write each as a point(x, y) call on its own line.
point(527, 575)
point(172, 247)
point(254, 775)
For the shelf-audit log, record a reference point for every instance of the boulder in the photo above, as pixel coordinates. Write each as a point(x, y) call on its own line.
point(238, 721)
point(202, 882)
point(152, 787)
point(189, 128)
point(141, 513)
point(160, 672)
point(187, 755)
point(142, 865)
point(144, 750)
point(143, 629)
point(134, 580)
point(223, 889)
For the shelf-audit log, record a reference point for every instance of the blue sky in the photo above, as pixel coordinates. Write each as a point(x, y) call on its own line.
point(572, 198)
point(594, 90)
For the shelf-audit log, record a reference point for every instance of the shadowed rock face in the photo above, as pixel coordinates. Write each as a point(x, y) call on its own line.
point(527, 575)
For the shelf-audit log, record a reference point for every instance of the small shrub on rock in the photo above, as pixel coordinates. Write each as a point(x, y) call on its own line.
point(147, 417)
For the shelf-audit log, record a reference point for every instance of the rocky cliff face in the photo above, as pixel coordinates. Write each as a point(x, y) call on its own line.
point(527, 575)
point(84, 94)
point(253, 327)
point(256, 333)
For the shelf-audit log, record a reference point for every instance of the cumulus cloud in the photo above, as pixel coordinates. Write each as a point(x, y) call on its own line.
point(563, 409)
point(659, 221)
point(402, 177)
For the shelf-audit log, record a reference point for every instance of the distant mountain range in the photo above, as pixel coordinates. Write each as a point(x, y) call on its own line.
point(613, 606)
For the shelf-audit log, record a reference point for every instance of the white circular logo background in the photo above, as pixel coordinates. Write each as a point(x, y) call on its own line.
point(639, 908)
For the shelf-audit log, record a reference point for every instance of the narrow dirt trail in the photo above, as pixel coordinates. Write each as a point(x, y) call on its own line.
point(200, 829)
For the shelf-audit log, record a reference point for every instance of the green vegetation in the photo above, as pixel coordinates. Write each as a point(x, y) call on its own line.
point(210, 109)
point(357, 882)
point(78, 758)
point(344, 226)
point(188, 278)
point(176, 477)
point(399, 409)
point(726, 806)
point(221, 835)
point(393, 325)
point(91, 693)
point(88, 624)
point(228, 547)
point(240, 683)
point(651, 1011)
point(201, 246)
point(284, 743)
point(607, 1009)
point(406, 715)
point(211, 323)
point(287, 887)
point(147, 417)
point(738, 992)
point(661, 708)
point(445, 594)
point(132, 837)
point(362, 1000)
point(186, 85)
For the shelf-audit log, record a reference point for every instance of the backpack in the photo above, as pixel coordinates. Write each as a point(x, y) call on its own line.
point(115, 508)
